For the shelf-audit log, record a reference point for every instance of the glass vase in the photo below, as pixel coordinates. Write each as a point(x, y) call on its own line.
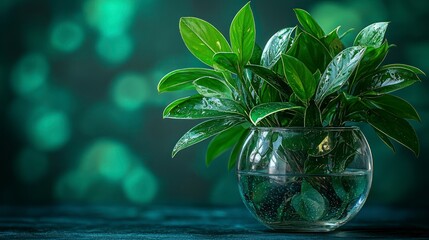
point(305, 179)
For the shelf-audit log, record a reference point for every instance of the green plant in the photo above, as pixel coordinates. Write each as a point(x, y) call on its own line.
point(302, 77)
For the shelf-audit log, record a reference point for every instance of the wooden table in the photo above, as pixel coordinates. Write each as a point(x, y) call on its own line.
point(166, 222)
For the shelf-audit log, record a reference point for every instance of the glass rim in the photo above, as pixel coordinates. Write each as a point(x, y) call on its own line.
point(347, 128)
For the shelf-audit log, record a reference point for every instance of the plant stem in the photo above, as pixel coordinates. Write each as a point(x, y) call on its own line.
point(229, 81)
point(337, 120)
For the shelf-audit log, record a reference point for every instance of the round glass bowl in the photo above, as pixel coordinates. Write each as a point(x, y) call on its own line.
point(305, 179)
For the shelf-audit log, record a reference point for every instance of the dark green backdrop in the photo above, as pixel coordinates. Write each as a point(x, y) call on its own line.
point(81, 119)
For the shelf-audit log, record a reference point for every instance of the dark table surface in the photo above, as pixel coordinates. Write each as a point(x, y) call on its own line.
point(163, 222)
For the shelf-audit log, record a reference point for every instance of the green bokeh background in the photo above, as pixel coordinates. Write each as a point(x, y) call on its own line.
point(81, 118)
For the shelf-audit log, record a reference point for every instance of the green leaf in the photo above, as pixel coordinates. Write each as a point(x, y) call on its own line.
point(394, 127)
point(308, 23)
point(388, 79)
point(231, 82)
point(182, 79)
point(384, 138)
point(205, 130)
point(263, 110)
point(348, 189)
point(256, 55)
point(202, 39)
point(338, 72)
point(177, 102)
point(346, 33)
point(317, 75)
point(329, 110)
point(222, 142)
point(312, 116)
point(226, 61)
point(309, 204)
point(242, 34)
point(271, 78)
point(372, 35)
point(407, 67)
point(311, 51)
point(212, 87)
point(202, 107)
point(299, 78)
point(333, 42)
point(237, 149)
point(372, 58)
point(270, 94)
point(345, 146)
point(352, 104)
point(395, 105)
point(254, 84)
point(339, 189)
point(345, 101)
point(275, 46)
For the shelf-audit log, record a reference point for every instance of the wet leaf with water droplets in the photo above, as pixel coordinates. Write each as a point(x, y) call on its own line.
point(275, 46)
point(266, 109)
point(388, 78)
point(372, 58)
point(338, 72)
point(205, 130)
point(212, 87)
point(372, 35)
point(182, 79)
point(203, 107)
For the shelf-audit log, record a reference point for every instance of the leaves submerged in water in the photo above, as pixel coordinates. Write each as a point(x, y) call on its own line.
point(280, 199)
point(309, 204)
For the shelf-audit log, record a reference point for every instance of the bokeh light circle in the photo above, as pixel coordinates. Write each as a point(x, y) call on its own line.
point(116, 49)
point(140, 186)
point(48, 129)
point(109, 158)
point(29, 74)
point(129, 91)
point(109, 17)
point(67, 36)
